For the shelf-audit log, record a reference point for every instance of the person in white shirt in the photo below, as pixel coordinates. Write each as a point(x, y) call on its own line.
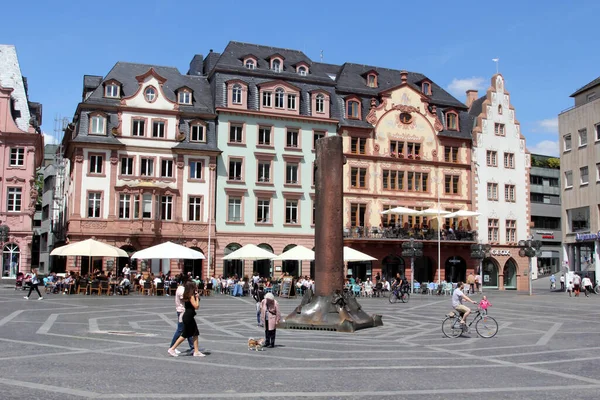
point(180, 308)
point(587, 285)
point(126, 270)
point(457, 298)
point(255, 278)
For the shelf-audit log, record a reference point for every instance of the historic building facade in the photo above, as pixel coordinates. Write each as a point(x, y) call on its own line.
point(501, 186)
point(21, 153)
point(142, 152)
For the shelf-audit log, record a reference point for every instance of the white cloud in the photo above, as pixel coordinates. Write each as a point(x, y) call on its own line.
point(48, 138)
point(545, 148)
point(460, 86)
point(548, 125)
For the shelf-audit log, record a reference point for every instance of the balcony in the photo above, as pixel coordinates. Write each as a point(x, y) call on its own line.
point(391, 233)
point(143, 227)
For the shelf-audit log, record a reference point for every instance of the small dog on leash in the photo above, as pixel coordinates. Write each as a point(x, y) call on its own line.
point(256, 344)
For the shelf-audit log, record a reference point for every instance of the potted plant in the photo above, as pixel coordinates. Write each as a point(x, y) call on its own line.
point(410, 156)
point(417, 157)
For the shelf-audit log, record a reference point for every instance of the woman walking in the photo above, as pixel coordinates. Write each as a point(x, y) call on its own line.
point(269, 318)
point(190, 328)
point(34, 282)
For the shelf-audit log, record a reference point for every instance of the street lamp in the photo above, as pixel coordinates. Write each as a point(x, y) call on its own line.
point(412, 249)
point(530, 248)
point(480, 251)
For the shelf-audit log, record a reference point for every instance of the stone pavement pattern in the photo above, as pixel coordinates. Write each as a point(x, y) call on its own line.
point(73, 347)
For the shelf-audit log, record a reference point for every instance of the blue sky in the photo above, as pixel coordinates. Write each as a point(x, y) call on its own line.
point(546, 49)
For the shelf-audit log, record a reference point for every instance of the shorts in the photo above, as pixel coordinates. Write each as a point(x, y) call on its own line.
point(576, 288)
point(462, 309)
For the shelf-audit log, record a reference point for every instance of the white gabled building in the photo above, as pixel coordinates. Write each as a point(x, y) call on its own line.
point(501, 165)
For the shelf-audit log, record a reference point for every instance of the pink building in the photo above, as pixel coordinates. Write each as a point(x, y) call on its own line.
point(21, 153)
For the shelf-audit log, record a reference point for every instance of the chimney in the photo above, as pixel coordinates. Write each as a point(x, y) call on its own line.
point(196, 65)
point(403, 76)
point(471, 97)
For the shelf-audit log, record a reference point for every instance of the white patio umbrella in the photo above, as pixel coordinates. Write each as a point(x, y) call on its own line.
point(89, 248)
point(168, 250)
point(401, 211)
point(351, 255)
point(298, 253)
point(250, 252)
point(462, 213)
point(431, 212)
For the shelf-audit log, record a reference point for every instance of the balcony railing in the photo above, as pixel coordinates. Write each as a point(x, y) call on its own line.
point(407, 234)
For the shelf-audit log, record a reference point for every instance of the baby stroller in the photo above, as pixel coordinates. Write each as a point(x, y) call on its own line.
point(20, 280)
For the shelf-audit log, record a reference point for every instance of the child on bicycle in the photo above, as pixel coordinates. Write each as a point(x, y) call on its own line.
point(484, 304)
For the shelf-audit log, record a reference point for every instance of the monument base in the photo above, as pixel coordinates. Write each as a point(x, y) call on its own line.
point(338, 312)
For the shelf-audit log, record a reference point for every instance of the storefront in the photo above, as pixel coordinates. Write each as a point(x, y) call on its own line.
point(505, 269)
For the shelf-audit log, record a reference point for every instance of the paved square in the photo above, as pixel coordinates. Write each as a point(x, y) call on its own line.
point(73, 347)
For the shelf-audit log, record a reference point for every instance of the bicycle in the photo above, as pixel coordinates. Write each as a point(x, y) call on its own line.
point(398, 293)
point(486, 326)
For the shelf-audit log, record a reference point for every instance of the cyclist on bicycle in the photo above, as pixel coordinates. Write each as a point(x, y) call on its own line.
point(457, 298)
point(397, 282)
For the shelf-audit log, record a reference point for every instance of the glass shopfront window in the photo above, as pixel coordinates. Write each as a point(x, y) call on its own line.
point(490, 273)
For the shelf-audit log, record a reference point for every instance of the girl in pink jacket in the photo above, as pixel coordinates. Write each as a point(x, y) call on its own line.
point(269, 318)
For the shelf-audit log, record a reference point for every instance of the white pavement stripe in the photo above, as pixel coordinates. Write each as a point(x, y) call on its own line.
point(168, 320)
point(218, 328)
point(49, 388)
point(10, 317)
point(36, 356)
point(134, 325)
point(45, 328)
point(548, 335)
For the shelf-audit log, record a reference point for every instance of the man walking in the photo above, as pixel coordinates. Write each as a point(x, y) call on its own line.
point(562, 283)
point(552, 282)
point(180, 308)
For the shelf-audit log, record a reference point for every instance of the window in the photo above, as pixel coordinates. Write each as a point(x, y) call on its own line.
point(536, 197)
point(499, 110)
point(150, 94)
point(492, 158)
point(291, 212)
point(511, 231)
point(279, 96)
point(166, 168)
point(568, 179)
point(266, 99)
point(597, 128)
point(185, 97)
point(264, 136)
point(357, 214)
point(317, 136)
point(451, 184)
point(372, 80)
point(13, 199)
point(264, 171)
point(509, 193)
point(235, 169)
point(94, 201)
point(320, 103)
point(536, 180)
point(393, 180)
point(158, 129)
point(450, 154)
point(492, 191)
point(358, 177)
point(236, 134)
point(234, 209)
point(291, 138)
point(263, 208)
point(579, 219)
point(302, 71)
point(499, 129)
point(451, 121)
point(197, 133)
point(541, 222)
point(358, 145)
point(413, 149)
point(195, 209)
point(314, 213)
point(567, 142)
point(138, 127)
point(416, 181)
point(147, 167)
point(236, 94)
point(291, 101)
point(126, 165)
point(125, 206)
point(17, 156)
point(96, 163)
point(553, 182)
point(291, 173)
point(250, 64)
point(353, 109)
point(396, 148)
point(584, 176)
point(147, 205)
point(195, 169)
point(426, 88)
point(111, 90)
point(509, 160)
point(591, 96)
point(492, 230)
point(98, 125)
point(582, 137)
point(166, 208)
point(276, 65)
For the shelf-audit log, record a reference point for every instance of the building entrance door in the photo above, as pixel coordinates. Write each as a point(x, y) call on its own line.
point(510, 275)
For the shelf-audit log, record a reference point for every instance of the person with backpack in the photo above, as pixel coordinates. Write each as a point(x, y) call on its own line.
point(34, 282)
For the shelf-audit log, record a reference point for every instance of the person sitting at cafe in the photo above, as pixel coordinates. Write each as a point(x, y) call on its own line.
point(124, 285)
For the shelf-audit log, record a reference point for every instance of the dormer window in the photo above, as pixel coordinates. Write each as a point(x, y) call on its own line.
point(353, 109)
point(452, 121)
point(279, 96)
point(185, 96)
point(426, 88)
point(250, 64)
point(98, 124)
point(302, 71)
point(236, 94)
point(197, 132)
point(320, 103)
point(150, 94)
point(276, 65)
point(111, 90)
point(372, 80)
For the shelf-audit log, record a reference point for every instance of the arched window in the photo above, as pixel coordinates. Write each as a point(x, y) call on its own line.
point(232, 267)
point(452, 121)
point(499, 110)
point(236, 94)
point(11, 259)
point(150, 94)
point(353, 109)
point(276, 65)
point(279, 96)
point(426, 88)
point(320, 103)
point(292, 267)
point(302, 71)
point(250, 64)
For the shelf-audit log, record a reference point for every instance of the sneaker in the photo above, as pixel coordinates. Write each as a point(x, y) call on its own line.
point(177, 351)
point(172, 353)
point(198, 354)
point(40, 298)
point(26, 298)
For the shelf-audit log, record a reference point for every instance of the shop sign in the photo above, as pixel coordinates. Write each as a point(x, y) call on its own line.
point(586, 237)
point(546, 234)
point(500, 252)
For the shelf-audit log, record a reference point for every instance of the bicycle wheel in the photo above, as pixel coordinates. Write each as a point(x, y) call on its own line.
point(393, 297)
point(404, 297)
point(486, 327)
point(597, 289)
point(451, 327)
